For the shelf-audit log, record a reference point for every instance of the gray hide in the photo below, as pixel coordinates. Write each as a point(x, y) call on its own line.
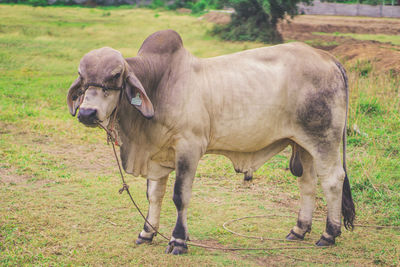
point(247, 106)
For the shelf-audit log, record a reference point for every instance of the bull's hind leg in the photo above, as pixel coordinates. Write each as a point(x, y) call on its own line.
point(155, 194)
point(331, 173)
point(307, 184)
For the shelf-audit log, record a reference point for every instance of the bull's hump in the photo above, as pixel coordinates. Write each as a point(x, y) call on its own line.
point(162, 42)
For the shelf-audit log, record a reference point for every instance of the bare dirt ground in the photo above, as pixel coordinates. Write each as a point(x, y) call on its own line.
point(312, 23)
point(384, 57)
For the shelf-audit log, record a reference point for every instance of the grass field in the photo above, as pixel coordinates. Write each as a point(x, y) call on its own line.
point(59, 204)
point(383, 38)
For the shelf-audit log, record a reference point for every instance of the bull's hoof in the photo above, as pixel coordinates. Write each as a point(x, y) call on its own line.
point(325, 242)
point(141, 240)
point(179, 250)
point(248, 178)
point(175, 248)
point(169, 249)
point(292, 236)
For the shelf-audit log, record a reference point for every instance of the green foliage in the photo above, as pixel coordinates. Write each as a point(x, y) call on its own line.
point(88, 3)
point(157, 4)
point(256, 20)
point(383, 38)
point(363, 68)
point(196, 6)
point(370, 106)
point(28, 2)
point(199, 6)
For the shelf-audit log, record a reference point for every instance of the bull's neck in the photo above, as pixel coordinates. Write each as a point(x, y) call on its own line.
point(132, 129)
point(149, 69)
point(141, 138)
point(131, 122)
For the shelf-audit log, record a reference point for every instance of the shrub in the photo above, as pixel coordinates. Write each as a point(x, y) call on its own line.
point(256, 20)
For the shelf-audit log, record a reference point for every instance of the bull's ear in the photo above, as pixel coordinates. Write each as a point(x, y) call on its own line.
point(137, 96)
point(74, 98)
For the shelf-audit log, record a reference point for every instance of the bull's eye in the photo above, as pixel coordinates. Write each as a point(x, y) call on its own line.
point(74, 97)
point(116, 76)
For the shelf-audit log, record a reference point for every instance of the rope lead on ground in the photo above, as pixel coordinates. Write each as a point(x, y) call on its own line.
point(307, 245)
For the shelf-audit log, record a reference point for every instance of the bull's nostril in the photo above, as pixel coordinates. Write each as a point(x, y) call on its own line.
point(87, 112)
point(87, 115)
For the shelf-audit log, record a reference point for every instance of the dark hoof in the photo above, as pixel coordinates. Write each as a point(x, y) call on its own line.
point(248, 178)
point(169, 249)
point(175, 248)
point(179, 250)
point(140, 240)
point(292, 236)
point(325, 242)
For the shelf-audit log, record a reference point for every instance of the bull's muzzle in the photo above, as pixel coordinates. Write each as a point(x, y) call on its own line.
point(88, 116)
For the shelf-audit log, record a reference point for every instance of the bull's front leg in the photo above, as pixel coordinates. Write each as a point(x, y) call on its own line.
point(185, 170)
point(155, 194)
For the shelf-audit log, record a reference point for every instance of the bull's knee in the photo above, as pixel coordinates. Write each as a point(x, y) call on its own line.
point(333, 185)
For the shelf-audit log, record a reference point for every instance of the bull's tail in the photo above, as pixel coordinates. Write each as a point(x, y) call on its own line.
point(348, 210)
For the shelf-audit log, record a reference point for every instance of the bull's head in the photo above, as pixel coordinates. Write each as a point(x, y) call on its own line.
point(103, 76)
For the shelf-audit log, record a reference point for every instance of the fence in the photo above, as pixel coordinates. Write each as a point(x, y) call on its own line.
point(319, 8)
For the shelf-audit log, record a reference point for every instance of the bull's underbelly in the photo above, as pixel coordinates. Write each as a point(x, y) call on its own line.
point(248, 162)
point(242, 142)
point(250, 133)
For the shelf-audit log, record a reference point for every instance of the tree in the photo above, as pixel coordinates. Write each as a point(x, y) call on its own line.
point(256, 20)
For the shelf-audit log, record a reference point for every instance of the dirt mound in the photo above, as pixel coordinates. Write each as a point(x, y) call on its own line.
point(383, 58)
point(330, 24)
point(184, 10)
point(217, 17)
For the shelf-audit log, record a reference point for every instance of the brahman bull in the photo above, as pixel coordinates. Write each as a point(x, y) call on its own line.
point(170, 108)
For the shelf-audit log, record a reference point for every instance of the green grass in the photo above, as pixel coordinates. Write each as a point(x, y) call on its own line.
point(383, 38)
point(58, 180)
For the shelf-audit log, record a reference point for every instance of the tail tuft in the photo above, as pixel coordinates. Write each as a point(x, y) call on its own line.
point(348, 210)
